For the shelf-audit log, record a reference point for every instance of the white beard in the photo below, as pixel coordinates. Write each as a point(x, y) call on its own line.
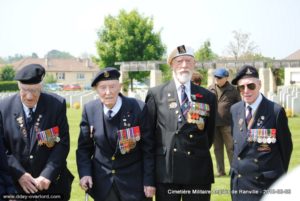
point(182, 77)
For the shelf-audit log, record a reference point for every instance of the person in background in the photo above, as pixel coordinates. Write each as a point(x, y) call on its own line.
point(226, 95)
point(115, 154)
point(261, 136)
point(197, 78)
point(182, 117)
point(6, 182)
point(36, 136)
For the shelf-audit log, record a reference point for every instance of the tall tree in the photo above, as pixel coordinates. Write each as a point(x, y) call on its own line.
point(34, 55)
point(58, 55)
point(205, 53)
point(128, 37)
point(7, 73)
point(241, 45)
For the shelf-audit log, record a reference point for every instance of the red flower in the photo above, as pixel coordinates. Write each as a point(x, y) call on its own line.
point(198, 95)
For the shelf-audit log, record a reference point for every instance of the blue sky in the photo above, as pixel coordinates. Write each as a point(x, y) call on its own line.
point(71, 25)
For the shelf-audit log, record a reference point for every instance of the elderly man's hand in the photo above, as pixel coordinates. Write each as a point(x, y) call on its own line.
point(28, 183)
point(42, 183)
point(86, 182)
point(149, 191)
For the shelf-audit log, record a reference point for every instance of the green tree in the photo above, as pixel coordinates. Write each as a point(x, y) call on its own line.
point(58, 55)
point(205, 53)
point(7, 73)
point(34, 55)
point(49, 78)
point(128, 37)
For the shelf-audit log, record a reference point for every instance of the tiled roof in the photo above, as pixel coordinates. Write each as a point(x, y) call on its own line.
point(294, 56)
point(55, 65)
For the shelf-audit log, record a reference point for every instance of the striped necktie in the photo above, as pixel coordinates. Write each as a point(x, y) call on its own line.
point(249, 115)
point(184, 102)
point(109, 113)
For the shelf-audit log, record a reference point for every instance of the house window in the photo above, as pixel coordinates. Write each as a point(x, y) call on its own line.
point(60, 76)
point(80, 76)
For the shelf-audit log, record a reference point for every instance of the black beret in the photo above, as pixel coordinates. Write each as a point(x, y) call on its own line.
point(108, 73)
point(31, 74)
point(244, 72)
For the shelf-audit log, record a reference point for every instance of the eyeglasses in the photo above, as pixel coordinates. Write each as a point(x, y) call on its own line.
point(250, 86)
point(34, 92)
point(218, 77)
point(180, 61)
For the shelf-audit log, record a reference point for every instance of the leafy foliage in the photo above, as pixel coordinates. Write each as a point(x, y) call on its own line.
point(49, 78)
point(7, 73)
point(58, 55)
point(128, 37)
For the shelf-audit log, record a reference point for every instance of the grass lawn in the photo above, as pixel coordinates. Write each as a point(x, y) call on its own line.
point(220, 184)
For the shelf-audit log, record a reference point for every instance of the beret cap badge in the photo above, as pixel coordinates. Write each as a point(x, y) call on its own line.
point(181, 49)
point(106, 74)
point(248, 72)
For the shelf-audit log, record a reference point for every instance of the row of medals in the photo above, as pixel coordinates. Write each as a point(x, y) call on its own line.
point(266, 136)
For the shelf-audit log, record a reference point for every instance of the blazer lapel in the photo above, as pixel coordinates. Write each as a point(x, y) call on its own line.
point(39, 122)
point(242, 137)
point(174, 110)
point(20, 119)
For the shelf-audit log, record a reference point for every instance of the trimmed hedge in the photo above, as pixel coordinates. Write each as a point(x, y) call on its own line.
point(8, 86)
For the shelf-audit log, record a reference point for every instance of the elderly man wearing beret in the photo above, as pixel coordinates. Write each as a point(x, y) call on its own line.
point(183, 121)
point(115, 154)
point(36, 135)
point(262, 139)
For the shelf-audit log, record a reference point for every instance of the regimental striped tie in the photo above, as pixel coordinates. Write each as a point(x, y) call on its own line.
point(184, 102)
point(249, 115)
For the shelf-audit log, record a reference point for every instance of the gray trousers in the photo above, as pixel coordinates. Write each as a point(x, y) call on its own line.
point(223, 136)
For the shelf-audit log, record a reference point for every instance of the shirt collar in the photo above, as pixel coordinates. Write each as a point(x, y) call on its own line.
point(26, 109)
point(115, 108)
point(256, 103)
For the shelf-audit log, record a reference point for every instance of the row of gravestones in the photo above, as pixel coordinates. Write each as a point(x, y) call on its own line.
point(289, 98)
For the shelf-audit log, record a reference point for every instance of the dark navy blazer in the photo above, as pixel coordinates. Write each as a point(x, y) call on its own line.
point(256, 166)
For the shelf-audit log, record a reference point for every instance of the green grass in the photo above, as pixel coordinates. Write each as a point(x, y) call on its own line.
point(221, 183)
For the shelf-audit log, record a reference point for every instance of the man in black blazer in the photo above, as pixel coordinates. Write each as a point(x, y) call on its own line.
point(182, 115)
point(6, 182)
point(115, 154)
point(36, 135)
point(262, 139)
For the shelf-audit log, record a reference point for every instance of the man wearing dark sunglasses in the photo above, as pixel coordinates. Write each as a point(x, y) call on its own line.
point(261, 136)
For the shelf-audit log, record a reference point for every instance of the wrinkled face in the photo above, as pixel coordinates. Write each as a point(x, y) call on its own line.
point(30, 93)
point(249, 89)
point(108, 91)
point(183, 67)
point(220, 81)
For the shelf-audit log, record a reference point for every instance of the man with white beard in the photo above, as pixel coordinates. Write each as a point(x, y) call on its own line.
point(182, 116)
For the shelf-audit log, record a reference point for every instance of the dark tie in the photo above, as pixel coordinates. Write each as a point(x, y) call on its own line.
point(184, 101)
point(30, 118)
point(109, 112)
point(249, 115)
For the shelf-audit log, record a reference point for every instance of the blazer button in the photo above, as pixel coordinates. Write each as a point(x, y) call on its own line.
point(176, 132)
point(191, 136)
point(113, 158)
point(255, 160)
point(31, 156)
point(188, 153)
point(239, 158)
point(113, 171)
point(174, 149)
point(239, 176)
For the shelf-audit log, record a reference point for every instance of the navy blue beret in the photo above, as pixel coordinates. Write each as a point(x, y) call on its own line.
point(108, 73)
point(244, 72)
point(31, 74)
point(221, 72)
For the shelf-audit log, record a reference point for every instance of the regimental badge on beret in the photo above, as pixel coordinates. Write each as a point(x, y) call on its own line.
point(181, 49)
point(248, 72)
point(106, 74)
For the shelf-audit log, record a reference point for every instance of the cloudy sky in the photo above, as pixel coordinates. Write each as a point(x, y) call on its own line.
point(71, 25)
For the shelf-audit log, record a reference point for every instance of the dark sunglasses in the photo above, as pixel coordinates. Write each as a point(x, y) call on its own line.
point(250, 86)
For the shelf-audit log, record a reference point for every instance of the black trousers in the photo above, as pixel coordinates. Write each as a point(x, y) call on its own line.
point(114, 195)
point(176, 192)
